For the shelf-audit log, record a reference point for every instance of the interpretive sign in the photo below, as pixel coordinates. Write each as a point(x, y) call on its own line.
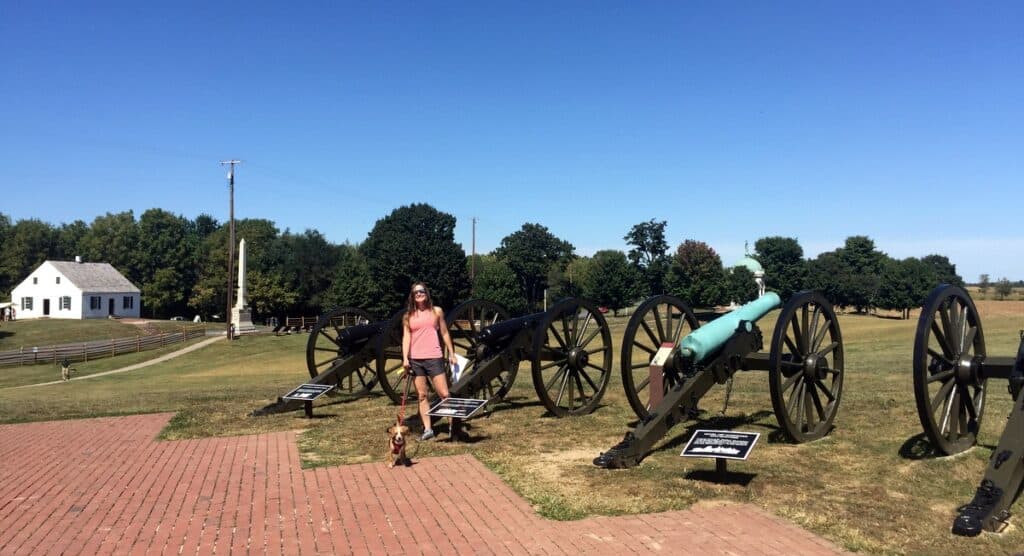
point(460, 408)
point(720, 444)
point(308, 392)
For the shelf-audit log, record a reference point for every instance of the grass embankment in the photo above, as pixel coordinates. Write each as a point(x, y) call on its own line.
point(869, 486)
point(49, 332)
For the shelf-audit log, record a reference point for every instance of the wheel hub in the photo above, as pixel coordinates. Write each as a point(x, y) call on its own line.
point(815, 366)
point(578, 358)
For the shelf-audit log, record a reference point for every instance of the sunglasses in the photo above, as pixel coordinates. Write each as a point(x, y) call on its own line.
point(424, 292)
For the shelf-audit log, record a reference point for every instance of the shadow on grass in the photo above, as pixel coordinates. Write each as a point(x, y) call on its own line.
point(918, 447)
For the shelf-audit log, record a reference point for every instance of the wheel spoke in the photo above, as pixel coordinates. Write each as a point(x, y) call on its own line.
point(553, 363)
point(940, 338)
point(940, 395)
point(585, 343)
point(645, 348)
point(650, 333)
point(586, 377)
point(581, 331)
point(817, 403)
point(657, 322)
point(797, 335)
point(828, 349)
point(940, 357)
point(804, 338)
point(790, 382)
point(943, 376)
point(792, 347)
point(555, 377)
point(820, 336)
point(643, 383)
point(561, 388)
point(558, 337)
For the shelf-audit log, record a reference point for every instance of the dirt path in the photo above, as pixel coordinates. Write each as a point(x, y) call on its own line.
point(136, 366)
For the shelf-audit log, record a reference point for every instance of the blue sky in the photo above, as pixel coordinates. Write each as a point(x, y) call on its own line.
point(903, 121)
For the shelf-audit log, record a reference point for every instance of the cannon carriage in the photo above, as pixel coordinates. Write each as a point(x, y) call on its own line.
point(569, 348)
point(952, 369)
point(670, 361)
point(340, 352)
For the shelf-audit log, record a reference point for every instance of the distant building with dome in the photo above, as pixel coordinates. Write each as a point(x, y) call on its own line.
point(756, 269)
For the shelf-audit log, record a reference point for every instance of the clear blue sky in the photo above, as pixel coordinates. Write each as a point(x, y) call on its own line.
point(903, 121)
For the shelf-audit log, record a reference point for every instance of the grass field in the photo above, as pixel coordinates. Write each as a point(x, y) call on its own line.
point(47, 332)
point(870, 486)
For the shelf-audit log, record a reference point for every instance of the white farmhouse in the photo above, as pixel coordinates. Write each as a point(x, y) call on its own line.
point(76, 290)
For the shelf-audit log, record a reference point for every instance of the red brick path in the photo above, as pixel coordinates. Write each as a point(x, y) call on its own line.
point(105, 486)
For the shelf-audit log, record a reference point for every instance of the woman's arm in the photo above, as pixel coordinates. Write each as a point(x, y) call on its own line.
point(406, 341)
point(444, 334)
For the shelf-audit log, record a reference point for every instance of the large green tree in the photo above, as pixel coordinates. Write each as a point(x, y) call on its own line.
point(304, 263)
point(25, 246)
point(209, 295)
point(531, 252)
point(164, 261)
point(785, 270)
point(612, 281)
point(905, 284)
point(351, 284)
point(649, 255)
point(697, 276)
point(416, 243)
point(945, 271)
point(114, 239)
point(496, 282)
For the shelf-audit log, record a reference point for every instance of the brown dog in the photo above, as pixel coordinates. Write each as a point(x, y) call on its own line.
point(396, 444)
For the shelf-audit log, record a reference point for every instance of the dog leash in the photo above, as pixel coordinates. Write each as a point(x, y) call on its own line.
point(405, 396)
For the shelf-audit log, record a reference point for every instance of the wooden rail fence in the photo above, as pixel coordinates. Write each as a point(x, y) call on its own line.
point(95, 349)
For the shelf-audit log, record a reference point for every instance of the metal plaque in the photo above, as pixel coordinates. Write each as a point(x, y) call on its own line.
point(720, 444)
point(308, 392)
point(460, 408)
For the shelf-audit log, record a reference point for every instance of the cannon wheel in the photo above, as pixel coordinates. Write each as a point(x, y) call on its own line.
point(389, 360)
point(658, 320)
point(572, 358)
point(464, 325)
point(322, 349)
point(950, 400)
point(805, 368)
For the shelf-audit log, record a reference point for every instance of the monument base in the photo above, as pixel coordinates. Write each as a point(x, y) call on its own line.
point(242, 321)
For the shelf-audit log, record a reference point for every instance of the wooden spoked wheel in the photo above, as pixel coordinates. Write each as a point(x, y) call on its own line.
point(948, 388)
point(390, 373)
point(658, 321)
point(806, 367)
point(464, 325)
point(572, 358)
point(323, 350)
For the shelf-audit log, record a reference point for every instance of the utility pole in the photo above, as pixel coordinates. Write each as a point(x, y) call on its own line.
point(231, 241)
point(472, 263)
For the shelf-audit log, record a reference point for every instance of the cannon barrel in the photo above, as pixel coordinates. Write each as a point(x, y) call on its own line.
point(701, 343)
point(497, 335)
point(354, 335)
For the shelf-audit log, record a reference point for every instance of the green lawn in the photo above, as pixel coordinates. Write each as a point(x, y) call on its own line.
point(869, 486)
point(46, 332)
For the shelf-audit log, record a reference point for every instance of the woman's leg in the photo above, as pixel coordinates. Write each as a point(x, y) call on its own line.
point(424, 404)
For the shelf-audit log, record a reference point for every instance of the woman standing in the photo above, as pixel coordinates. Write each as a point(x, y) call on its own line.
point(421, 350)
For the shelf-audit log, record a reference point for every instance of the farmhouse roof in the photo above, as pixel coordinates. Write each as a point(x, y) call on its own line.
point(94, 276)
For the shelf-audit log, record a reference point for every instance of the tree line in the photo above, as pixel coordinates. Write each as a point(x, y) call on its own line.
point(181, 264)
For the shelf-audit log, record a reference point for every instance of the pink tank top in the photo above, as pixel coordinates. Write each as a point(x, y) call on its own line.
point(424, 343)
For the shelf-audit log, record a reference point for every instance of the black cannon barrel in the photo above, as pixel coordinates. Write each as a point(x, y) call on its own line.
point(497, 335)
point(355, 335)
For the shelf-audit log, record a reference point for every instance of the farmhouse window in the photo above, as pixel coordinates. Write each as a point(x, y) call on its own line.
point(95, 302)
point(65, 302)
point(35, 280)
point(58, 279)
point(26, 304)
point(128, 302)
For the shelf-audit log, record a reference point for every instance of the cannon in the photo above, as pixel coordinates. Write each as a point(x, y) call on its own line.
point(341, 351)
point(951, 371)
point(569, 347)
point(669, 362)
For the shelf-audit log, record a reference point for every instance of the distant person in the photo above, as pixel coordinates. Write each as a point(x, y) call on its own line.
point(421, 350)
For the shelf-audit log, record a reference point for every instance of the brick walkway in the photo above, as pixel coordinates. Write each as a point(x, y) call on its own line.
point(105, 486)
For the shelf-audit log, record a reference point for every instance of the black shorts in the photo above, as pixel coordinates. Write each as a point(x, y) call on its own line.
point(427, 367)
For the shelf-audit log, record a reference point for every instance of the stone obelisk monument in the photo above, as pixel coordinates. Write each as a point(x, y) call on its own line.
point(241, 315)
